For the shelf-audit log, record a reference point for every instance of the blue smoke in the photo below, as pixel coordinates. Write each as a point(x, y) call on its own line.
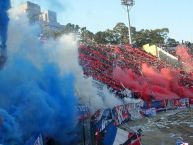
point(4, 6)
point(35, 100)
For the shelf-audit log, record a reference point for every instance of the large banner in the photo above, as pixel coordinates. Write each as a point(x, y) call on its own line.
point(149, 112)
point(184, 102)
point(124, 113)
point(119, 115)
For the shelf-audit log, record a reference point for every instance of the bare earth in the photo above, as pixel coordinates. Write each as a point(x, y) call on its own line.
point(165, 128)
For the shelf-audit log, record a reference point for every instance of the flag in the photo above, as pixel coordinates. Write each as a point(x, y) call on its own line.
point(39, 140)
point(109, 134)
point(180, 142)
point(121, 136)
point(126, 138)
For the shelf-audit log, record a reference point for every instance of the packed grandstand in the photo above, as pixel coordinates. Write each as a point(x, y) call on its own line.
point(148, 76)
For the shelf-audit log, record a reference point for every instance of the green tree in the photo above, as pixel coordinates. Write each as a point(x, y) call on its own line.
point(100, 38)
point(121, 33)
point(70, 28)
point(157, 37)
point(86, 36)
point(110, 37)
point(171, 42)
point(141, 37)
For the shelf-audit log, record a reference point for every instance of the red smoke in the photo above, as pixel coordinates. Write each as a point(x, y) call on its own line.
point(185, 57)
point(182, 52)
point(161, 85)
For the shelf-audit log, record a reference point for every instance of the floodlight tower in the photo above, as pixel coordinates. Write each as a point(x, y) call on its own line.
point(129, 4)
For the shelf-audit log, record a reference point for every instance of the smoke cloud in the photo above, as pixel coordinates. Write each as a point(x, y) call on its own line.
point(4, 6)
point(36, 96)
point(161, 85)
point(185, 58)
point(40, 86)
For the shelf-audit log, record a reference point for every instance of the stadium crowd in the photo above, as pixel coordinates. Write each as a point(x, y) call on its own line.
point(99, 61)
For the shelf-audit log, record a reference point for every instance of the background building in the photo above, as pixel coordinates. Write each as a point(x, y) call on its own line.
point(33, 11)
point(49, 16)
point(47, 19)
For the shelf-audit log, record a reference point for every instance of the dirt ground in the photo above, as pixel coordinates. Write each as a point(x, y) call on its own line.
point(165, 127)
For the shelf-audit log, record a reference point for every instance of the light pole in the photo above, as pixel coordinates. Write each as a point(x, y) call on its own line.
point(129, 4)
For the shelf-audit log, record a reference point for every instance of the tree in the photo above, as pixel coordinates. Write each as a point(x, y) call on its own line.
point(70, 28)
point(188, 44)
point(100, 37)
point(157, 37)
point(121, 33)
point(141, 38)
point(111, 37)
point(86, 36)
point(171, 42)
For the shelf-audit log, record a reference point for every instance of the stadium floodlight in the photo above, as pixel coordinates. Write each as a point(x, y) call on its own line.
point(129, 4)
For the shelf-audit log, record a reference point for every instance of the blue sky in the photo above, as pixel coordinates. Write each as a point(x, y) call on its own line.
point(99, 15)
